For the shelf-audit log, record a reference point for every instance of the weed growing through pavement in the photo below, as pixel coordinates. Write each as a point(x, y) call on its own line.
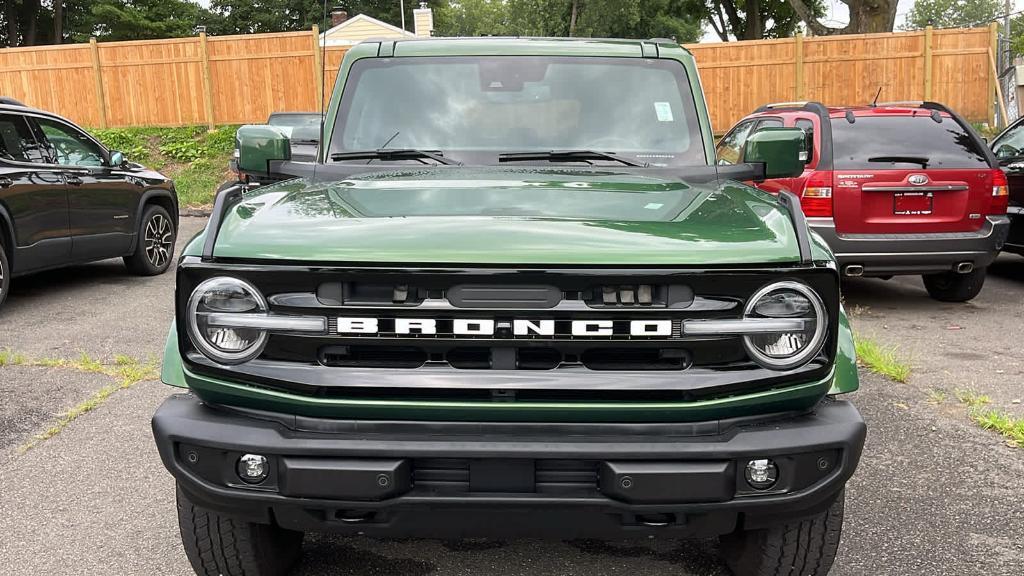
point(127, 372)
point(881, 360)
point(1002, 422)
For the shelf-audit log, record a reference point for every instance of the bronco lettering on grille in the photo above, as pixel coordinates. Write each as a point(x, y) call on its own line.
point(501, 328)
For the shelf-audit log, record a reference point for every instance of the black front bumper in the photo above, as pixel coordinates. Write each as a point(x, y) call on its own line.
point(458, 479)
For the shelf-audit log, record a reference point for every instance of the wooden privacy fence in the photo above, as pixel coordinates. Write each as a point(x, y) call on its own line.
point(238, 79)
point(175, 82)
point(949, 66)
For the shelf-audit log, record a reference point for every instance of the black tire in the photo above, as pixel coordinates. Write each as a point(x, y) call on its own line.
point(804, 548)
point(5, 274)
point(154, 249)
point(953, 287)
point(218, 545)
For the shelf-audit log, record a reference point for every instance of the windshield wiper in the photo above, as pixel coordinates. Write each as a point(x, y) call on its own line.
point(565, 156)
point(396, 154)
point(922, 160)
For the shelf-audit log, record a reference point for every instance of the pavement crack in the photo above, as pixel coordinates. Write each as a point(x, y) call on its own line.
point(126, 370)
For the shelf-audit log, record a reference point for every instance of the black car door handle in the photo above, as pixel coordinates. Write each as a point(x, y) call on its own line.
point(72, 179)
point(6, 182)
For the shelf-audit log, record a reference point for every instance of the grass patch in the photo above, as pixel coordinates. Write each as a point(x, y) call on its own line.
point(11, 358)
point(127, 372)
point(881, 360)
point(972, 399)
point(1002, 422)
point(936, 396)
point(1011, 428)
point(195, 158)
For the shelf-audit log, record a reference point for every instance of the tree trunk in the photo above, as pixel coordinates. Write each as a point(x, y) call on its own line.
point(866, 16)
point(755, 27)
point(30, 16)
point(572, 17)
point(11, 15)
point(58, 21)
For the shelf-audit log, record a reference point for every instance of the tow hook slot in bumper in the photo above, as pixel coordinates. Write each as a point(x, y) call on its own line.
point(666, 482)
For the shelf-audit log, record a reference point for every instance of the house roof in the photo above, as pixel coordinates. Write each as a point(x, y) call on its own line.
point(363, 18)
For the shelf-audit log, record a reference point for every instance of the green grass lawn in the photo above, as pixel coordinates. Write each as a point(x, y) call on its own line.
point(195, 158)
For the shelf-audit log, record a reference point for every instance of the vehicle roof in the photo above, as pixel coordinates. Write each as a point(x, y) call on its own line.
point(22, 109)
point(487, 45)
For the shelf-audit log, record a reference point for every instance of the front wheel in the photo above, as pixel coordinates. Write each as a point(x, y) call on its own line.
point(804, 548)
point(219, 545)
point(154, 248)
point(954, 287)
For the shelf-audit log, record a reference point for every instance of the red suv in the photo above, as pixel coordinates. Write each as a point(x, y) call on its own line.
point(903, 188)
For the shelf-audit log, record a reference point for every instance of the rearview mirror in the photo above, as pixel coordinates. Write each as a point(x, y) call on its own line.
point(116, 159)
point(779, 149)
point(259, 145)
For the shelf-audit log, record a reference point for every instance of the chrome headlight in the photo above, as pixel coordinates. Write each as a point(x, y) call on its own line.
point(222, 342)
point(797, 303)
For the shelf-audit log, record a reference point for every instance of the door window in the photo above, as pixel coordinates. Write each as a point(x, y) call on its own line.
point(17, 142)
point(730, 146)
point(68, 146)
point(1010, 144)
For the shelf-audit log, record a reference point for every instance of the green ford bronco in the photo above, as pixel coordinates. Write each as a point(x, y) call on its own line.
point(514, 296)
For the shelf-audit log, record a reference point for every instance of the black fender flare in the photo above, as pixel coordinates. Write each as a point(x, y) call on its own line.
point(7, 235)
point(144, 199)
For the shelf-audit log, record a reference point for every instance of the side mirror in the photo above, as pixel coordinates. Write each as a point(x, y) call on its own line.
point(260, 144)
point(116, 159)
point(779, 149)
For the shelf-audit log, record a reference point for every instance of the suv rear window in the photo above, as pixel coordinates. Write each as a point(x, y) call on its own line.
point(945, 144)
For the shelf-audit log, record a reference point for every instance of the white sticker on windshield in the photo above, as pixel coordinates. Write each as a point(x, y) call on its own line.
point(653, 206)
point(664, 111)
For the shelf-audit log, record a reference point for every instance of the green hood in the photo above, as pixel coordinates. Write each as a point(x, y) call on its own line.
point(525, 216)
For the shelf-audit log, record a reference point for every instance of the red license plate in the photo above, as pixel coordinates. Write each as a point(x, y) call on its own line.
point(912, 203)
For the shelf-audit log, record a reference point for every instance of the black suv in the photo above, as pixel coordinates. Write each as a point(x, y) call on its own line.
point(65, 199)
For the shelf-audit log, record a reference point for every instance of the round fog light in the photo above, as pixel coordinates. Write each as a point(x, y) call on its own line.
point(253, 468)
point(762, 474)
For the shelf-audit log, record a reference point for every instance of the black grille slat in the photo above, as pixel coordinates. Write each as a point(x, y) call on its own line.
point(551, 476)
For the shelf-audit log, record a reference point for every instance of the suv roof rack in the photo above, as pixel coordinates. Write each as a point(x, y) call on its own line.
point(816, 107)
point(8, 101)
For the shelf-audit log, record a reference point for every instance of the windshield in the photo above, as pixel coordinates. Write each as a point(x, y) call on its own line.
point(474, 108)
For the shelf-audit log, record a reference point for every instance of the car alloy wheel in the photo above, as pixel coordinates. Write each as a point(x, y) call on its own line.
point(159, 235)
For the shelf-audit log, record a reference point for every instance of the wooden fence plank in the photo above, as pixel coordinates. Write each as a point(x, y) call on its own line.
point(97, 68)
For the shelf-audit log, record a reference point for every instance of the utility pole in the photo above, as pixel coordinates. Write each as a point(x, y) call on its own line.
point(401, 4)
point(1007, 7)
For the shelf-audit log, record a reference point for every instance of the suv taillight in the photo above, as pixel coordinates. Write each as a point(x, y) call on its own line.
point(1000, 193)
point(816, 199)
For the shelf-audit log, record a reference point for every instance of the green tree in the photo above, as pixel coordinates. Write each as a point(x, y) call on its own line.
point(754, 20)
point(258, 16)
point(951, 13)
point(141, 20)
point(679, 19)
point(865, 16)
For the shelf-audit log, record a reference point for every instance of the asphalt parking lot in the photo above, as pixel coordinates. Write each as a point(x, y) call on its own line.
point(935, 494)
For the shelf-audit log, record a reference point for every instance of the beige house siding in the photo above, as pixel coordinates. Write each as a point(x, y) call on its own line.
point(361, 28)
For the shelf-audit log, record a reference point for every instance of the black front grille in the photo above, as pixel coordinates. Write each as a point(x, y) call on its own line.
point(553, 361)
